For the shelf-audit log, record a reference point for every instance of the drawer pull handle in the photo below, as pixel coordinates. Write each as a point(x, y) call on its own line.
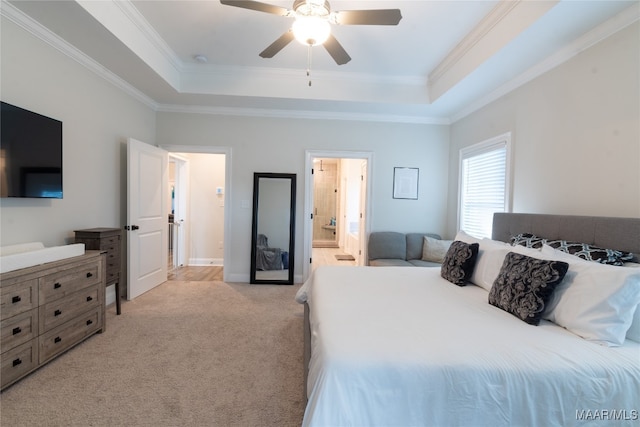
point(89, 275)
point(57, 313)
point(89, 299)
point(16, 299)
point(57, 340)
point(17, 362)
point(16, 330)
point(57, 286)
point(89, 322)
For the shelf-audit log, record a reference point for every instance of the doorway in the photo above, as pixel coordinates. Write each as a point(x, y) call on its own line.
point(178, 210)
point(337, 206)
point(201, 222)
point(326, 179)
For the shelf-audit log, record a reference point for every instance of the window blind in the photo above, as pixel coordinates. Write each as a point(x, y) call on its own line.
point(483, 186)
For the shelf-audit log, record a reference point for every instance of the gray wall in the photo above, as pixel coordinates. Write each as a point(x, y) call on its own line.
point(279, 145)
point(97, 118)
point(575, 135)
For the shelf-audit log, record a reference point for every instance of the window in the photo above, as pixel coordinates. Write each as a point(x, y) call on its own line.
point(484, 184)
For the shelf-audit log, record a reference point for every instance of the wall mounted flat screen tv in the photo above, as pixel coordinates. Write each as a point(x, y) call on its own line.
point(30, 154)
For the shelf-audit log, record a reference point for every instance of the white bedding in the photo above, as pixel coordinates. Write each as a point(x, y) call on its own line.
point(398, 346)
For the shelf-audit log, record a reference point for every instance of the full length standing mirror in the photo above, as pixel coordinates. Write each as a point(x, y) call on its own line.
point(273, 228)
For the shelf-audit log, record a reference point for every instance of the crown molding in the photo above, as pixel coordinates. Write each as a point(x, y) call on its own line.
point(301, 114)
point(506, 21)
point(140, 22)
point(605, 30)
point(119, 18)
point(596, 35)
point(15, 15)
point(497, 14)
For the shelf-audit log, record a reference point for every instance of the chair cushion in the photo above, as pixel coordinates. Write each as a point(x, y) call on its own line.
point(387, 244)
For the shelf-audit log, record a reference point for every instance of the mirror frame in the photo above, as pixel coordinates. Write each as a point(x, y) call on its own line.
point(257, 176)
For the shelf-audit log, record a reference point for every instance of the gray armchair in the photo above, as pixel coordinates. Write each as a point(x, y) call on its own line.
point(267, 258)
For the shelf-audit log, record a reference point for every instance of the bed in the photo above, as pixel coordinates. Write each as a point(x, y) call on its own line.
point(395, 346)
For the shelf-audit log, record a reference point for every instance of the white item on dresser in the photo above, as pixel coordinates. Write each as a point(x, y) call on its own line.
point(25, 255)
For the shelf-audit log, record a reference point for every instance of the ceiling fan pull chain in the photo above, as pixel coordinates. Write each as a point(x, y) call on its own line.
point(309, 63)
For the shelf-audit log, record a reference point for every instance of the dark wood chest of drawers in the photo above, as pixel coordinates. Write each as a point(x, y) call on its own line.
point(108, 240)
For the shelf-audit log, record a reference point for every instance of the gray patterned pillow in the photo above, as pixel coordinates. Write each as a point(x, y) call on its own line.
point(583, 250)
point(458, 263)
point(524, 286)
point(527, 240)
point(592, 253)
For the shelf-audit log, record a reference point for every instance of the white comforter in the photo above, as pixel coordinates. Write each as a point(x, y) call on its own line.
point(399, 346)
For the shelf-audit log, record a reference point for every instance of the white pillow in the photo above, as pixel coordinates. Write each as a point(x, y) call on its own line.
point(594, 301)
point(490, 258)
point(464, 237)
point(434, 250)
point(634, 330)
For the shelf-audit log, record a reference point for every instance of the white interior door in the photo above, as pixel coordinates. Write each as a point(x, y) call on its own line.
point(362, 232)
point(147, 213)
point(181, 213)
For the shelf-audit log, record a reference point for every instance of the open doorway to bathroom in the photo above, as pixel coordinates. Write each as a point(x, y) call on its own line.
point(325, 202)
point(338, 206)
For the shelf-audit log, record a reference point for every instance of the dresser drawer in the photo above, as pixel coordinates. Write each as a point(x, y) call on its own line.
point(110, 243)
point(113, 276)
point(18, 361)
point(18, 298)
point(61, 310)
point(65, 282)
point(19, 329)
point(68, 334)
point(113, 264)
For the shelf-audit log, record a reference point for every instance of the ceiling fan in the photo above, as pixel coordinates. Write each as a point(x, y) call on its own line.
point(312, 25)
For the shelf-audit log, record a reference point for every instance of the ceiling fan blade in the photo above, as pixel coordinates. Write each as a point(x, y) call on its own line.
point(256, 5)
point(336, 50)
point(368, 17)
point(277, 45)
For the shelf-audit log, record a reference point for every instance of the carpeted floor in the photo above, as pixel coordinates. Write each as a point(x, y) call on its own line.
point(183, 354)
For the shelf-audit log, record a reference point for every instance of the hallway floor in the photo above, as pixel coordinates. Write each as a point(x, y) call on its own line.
point(327, 256)
point(321, 256)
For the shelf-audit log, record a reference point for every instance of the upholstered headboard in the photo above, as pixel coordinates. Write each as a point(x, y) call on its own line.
point(606, 232)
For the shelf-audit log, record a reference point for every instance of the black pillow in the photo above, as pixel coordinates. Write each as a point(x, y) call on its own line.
point(524, 286)
point(459, 261)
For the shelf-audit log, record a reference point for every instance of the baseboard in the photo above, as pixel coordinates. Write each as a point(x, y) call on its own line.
point(244, 278)
point(238, 278)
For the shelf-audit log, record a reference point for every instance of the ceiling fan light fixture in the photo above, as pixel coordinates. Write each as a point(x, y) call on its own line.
point(312, 8)
point(311, 30)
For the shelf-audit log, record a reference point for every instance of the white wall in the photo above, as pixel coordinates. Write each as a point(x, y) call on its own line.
point(351, 170)
point(206, 208)
point(576, 134)
point(97, 118)
point(279, 145)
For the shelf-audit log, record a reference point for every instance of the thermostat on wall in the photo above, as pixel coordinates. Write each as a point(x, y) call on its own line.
point(219, 190)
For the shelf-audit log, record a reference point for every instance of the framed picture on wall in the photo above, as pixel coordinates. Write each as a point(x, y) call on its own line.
point(405, 183)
